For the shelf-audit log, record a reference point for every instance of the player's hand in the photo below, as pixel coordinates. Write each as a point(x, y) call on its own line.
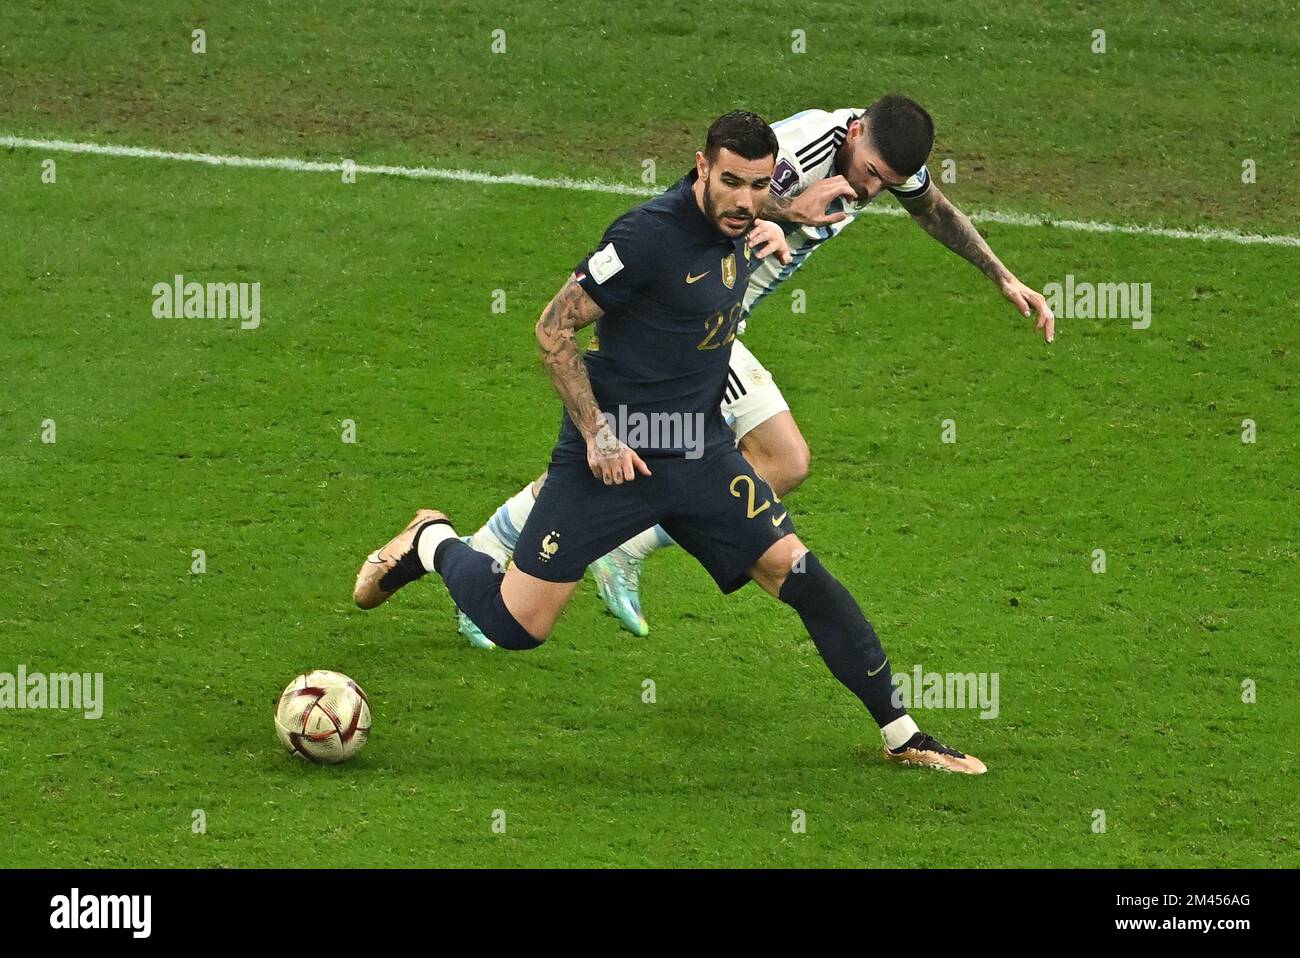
point(1029, 301)
point(610, 460)
point(809, 207)
point(766, 238)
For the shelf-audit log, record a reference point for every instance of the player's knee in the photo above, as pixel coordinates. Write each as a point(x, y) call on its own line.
point(477, 589)
point(537, 485)
point(508, 633)
point(844, 637)
point(806, 584)
point(516, 633)
point(778, 562)
point(796, 463)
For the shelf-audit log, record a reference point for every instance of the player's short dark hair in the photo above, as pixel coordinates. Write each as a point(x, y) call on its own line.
point(744, 133)
point(901, 131)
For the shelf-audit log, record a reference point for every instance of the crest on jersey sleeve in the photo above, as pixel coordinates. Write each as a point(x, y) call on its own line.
point(729, 271)
point(784, 178)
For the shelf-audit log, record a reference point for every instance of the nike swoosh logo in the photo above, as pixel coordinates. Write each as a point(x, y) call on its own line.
point(877, 672)
point(376, 558)
point(777, 520)
point(695, 279)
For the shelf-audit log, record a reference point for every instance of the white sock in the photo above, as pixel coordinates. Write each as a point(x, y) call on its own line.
point(430, 539)
point(640, 546)
point(500, 534)
point(897, 732)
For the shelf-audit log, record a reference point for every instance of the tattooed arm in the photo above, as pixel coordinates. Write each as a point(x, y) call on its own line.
point(937, 215)
point(809, 207)
point(570, 310)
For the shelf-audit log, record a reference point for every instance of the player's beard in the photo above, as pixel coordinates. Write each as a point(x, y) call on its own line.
point(717, 215)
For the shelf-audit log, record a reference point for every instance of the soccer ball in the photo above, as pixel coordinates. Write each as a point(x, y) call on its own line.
point(323, 717)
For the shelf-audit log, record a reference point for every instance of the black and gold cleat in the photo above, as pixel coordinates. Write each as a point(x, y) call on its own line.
point(929, 752)
point(388, 569)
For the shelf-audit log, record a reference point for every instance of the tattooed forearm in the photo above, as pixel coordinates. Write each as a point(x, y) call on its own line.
point(569, 311)
point(951, 227)
point(776, 208)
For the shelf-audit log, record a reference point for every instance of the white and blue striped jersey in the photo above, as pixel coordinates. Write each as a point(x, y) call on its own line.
point(809, 142)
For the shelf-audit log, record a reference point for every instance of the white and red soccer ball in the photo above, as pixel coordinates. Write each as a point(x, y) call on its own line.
point(323, 717)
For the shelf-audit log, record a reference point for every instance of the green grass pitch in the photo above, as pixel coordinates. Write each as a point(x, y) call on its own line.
point(1120, 692)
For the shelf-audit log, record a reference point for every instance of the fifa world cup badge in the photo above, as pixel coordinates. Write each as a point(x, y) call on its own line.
point(729, 270)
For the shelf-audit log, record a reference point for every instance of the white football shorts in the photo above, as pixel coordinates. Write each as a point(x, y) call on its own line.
point(751, 396)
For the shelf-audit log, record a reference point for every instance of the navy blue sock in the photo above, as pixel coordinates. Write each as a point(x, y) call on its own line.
point(475, 587)
point(842, 634)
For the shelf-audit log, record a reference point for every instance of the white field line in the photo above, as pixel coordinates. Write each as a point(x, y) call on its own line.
point(599, 186)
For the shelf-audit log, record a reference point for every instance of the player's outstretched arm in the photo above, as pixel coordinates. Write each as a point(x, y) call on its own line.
point(809, 207)
point(568, 311)
point(939, 216)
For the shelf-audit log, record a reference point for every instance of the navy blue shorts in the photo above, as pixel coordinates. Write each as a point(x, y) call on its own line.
point(717, 508)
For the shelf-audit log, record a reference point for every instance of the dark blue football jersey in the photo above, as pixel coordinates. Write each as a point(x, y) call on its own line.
point(671, 285)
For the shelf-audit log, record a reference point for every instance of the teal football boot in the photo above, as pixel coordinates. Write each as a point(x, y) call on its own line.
point(472, 632)
point(618, 579)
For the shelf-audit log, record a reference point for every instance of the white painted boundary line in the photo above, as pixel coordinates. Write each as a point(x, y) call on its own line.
point(311, 166)
point(599, 186)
